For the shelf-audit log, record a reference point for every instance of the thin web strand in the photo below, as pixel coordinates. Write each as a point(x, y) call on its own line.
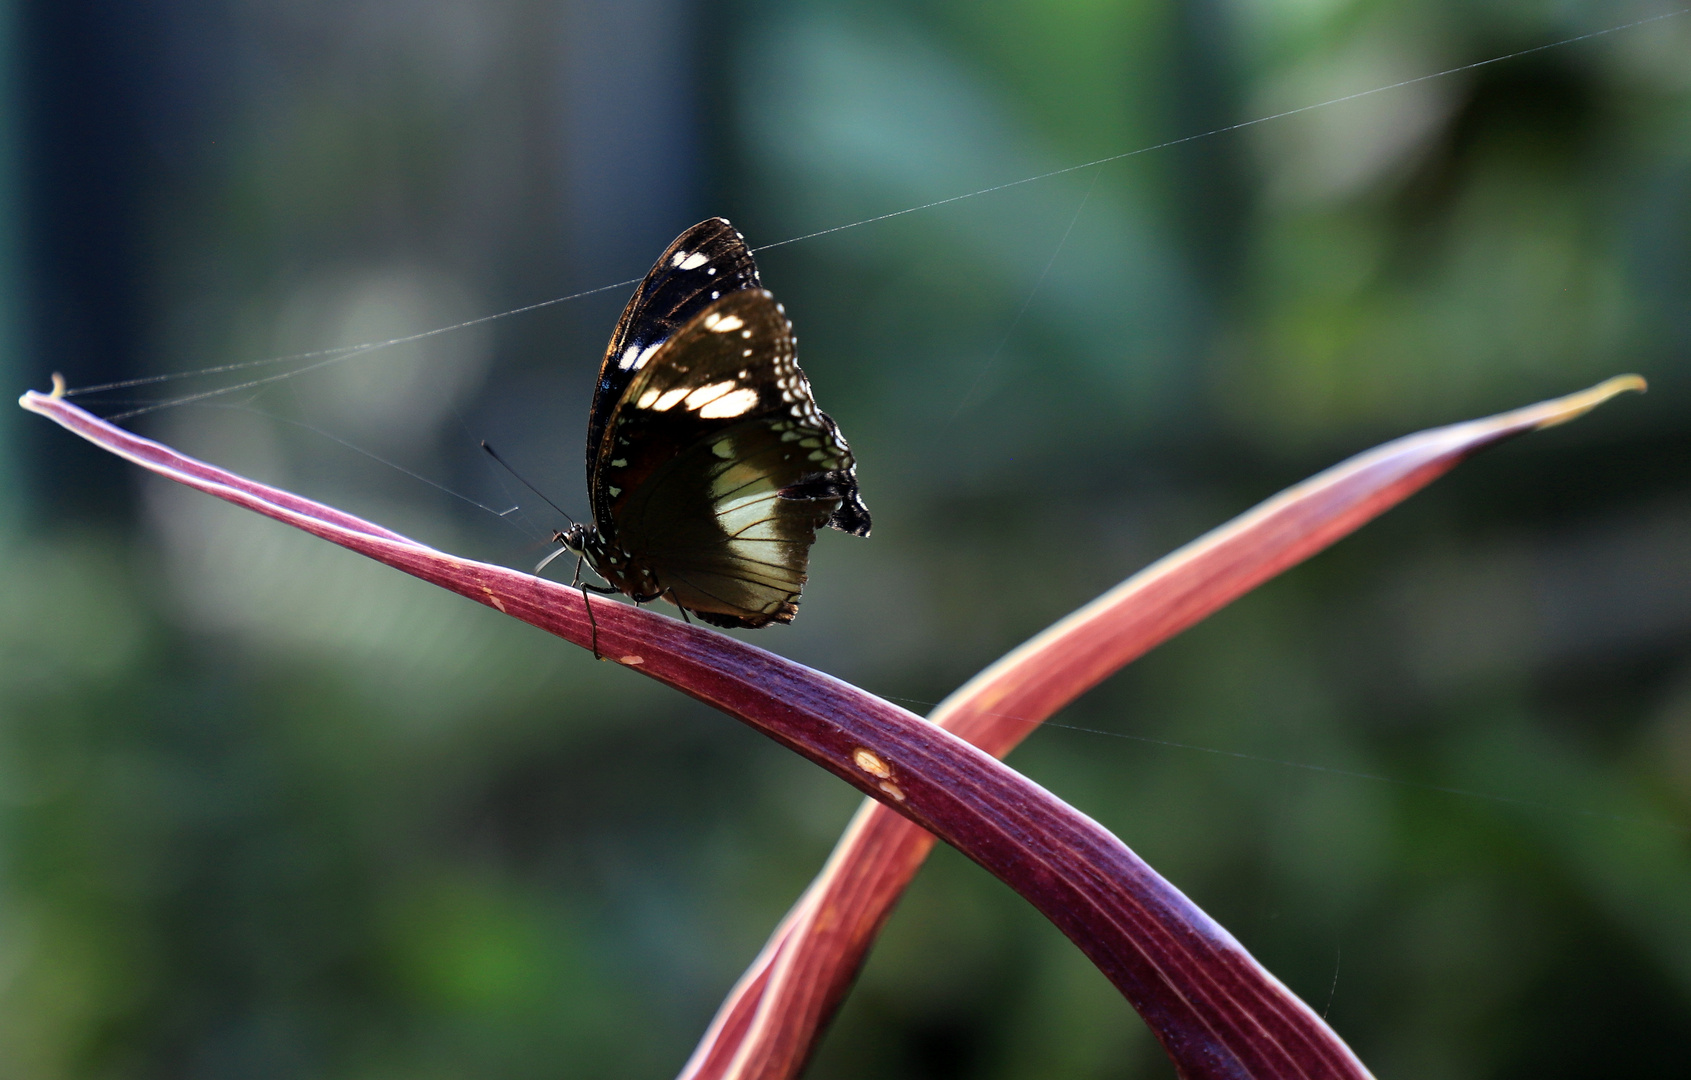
point(1230, 127)
point(1010, 332)
point(1508, 800)
point(1333, 991)
point(348, 351)
point(355, 448)
point(342, 352)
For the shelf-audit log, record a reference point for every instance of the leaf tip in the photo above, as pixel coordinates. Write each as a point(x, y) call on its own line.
point(1563, 409)
point(31, 399)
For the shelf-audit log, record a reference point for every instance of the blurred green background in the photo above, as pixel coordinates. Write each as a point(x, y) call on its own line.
point(268, 810)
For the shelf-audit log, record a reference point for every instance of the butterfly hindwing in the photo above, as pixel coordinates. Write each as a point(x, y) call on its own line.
point(716, 468)
point(715, 528)
point(707, 262)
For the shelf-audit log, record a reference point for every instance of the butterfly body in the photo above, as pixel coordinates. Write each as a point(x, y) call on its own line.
point(709, 466)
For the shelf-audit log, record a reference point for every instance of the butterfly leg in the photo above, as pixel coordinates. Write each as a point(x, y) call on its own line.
point(585, 589)
point(688, 619)
point(591, 621)
point(575, 580)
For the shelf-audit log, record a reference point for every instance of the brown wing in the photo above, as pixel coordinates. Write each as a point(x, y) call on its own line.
point(715, 530)
point(717, 468)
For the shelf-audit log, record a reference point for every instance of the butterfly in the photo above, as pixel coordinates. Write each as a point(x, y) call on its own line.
point(709, 466)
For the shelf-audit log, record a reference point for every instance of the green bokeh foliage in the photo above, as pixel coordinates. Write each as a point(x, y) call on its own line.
point(269, 811)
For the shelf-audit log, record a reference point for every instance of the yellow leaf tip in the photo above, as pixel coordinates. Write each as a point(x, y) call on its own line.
point(28, 398)
point(1576, 405)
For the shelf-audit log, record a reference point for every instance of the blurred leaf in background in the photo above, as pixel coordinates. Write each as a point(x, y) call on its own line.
point(266, 810)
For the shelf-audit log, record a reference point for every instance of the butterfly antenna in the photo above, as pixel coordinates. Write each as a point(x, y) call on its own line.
point(494, 454)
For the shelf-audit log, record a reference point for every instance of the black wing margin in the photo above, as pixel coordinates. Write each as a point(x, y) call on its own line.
point(703, 264)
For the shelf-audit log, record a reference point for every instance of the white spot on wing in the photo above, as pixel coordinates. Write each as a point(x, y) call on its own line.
point(691, 262)
point(704, 395)
point(633, 359)
point(665, 401)
point(647, 399)
point(734, 404)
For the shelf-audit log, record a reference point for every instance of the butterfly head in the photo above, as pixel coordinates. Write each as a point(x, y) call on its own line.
point(575, 538)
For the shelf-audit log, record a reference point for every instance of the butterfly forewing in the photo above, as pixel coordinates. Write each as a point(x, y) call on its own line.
point(705, 263)
point(716, 468)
